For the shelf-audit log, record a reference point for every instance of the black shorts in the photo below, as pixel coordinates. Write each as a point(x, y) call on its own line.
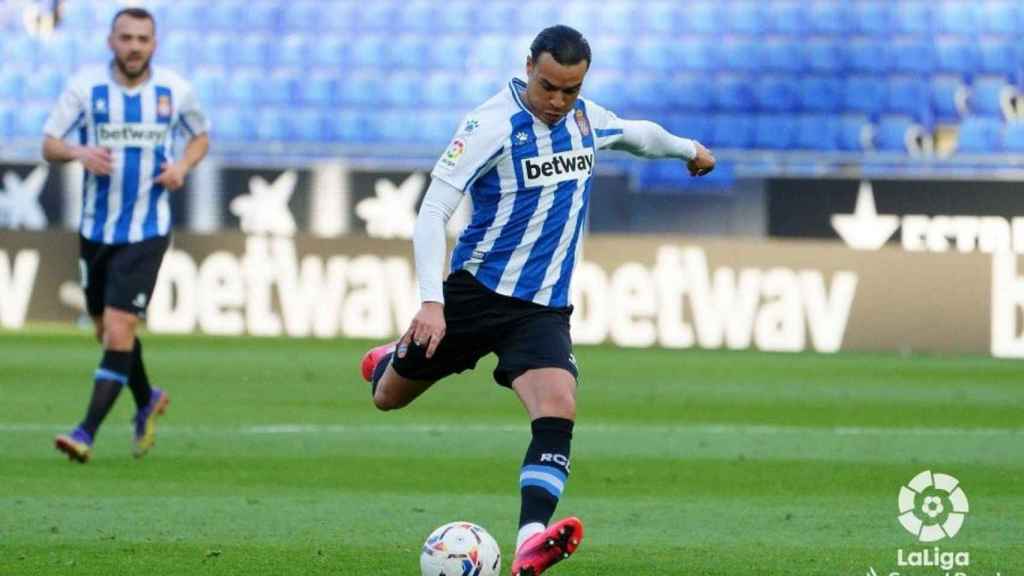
point(121, 276)
point(523, 334)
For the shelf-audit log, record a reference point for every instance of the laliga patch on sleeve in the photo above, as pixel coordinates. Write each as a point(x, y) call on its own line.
point(450, 158)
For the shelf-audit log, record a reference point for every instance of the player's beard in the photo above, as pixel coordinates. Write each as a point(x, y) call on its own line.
point(122, 65)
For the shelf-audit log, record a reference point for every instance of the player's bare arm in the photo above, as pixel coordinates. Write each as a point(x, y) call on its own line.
point(95, 159)
point(172, 175)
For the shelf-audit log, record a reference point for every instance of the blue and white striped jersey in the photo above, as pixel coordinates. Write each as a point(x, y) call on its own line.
point(530, 187)
point(139, 127)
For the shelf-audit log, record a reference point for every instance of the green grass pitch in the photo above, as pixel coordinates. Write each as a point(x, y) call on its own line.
point(272, 460)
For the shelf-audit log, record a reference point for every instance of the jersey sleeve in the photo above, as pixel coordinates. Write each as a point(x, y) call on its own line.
point(473, 150)
point(607, 126)
point(68, 114)
point(191, 117)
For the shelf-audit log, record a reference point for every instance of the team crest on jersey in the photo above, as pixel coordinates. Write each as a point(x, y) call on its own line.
point(163, 106)
point(583, 123)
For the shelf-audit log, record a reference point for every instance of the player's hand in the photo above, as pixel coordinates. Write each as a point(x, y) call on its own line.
point(426, 330)
point(703, 163)
point(97, 160)
point(172, 176)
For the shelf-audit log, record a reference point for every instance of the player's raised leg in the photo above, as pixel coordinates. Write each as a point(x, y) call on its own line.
point(549, 395)
point(389, 389)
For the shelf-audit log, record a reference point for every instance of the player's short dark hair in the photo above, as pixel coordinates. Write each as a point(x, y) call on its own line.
point(137, 13)
point(566, 45)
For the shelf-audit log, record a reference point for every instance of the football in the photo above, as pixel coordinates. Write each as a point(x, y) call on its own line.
point(460, 549)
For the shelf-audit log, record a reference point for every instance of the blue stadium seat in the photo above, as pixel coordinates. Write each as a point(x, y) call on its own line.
point(439, 89)
point(828, 18)
point(263, 17)
point(370, 51)
point(693, 54)
point(957, 56)
point(870, 18)
point(865, 95)
point(695, 126)
point(732, 131)
point(378, 17)
point(231, 125)
point(478, 87)
point(271, 125)
point(866, 55)
point(448, 53)
point(222, 15)
point(739, 55)
point(459, 17)
point(6, 120)
point(329, 51)
point(617, 19)
point(991, 96)
point(418, 16)
point(997, 17)
point(980, 136)
point(908, 95)
point(948, 98)
point(816, 132)
point(614, 53)
point(893, 133)
point(823, 55)
point(737, 17)
point(187, 15)
point(497, 17)
point(43, 85)
point(775, 94)
point(954, 17)
point(910, 55)
point(488, 52)
point(289, 51)
point(307, 125)
point(27, 121)
point(998, 57)
point(358, 89)
point(209, 83)
point(75, 16)
point(657, 17)
point(855, 133)
point(782, 56)
point(249, 51)
point(19, 48)
point(645, 92)
point(436, 127)
point(12, 81)
point(774, 132)
point(317, 89)
point(732, 93)
point(347, 126)
point(304, 16)
point(820, 94)
point(177, 50)
point(911, 17)
point(244, 88)
point(686, 92)
point(654, 54)
point(391, 126)
point(277, 89)
point(782, 17)
point(90, 50)
point(214, 50)
point(701, 17)
point(57, 53)
point(402, 90)
point(531, 17)
point(407, 51)
point(1013, 137)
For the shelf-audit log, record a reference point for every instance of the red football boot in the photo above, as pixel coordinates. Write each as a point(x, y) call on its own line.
point(371, 358)
point(543, 550)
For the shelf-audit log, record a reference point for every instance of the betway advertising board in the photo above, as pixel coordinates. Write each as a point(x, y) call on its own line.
point(671, 292)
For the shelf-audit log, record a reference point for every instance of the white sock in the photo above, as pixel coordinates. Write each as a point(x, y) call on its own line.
point(527, 531)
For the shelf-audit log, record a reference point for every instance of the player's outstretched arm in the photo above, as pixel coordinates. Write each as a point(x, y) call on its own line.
point(649, 140)
point(96, 160)
point(427, 328)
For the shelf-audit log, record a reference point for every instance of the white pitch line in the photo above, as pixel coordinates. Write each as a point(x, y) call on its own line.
point(712, 429)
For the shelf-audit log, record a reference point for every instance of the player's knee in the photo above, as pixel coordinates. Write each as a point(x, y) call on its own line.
point(386, 402)
point(118, 332)
point(561, 404)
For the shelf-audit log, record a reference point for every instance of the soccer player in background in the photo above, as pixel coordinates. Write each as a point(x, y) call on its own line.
point(125, 116)
point(526, 157)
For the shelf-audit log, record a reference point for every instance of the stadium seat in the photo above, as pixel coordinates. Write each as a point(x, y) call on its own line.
point(979, 136)
point(74, 16)
point(828, 18)
point(271, 125)
point(402, 90)
point(654, 54)
point(871, 18)
point(614, 52)
point(177, 51)
point(497, 17)
point(347, 126)
point(232, 125)
point(19, 48)
point(991, 97)
point(702, 18)
point(1013, 137)
point(864, 94)
point(222, 15)
point(779, 55)
point(213, 50)
point(329, 51)
point(317, 89)
point(244, 88)
point(373, 17)
point(955, 56)
point(358, 89)
point(488, 52)
point(997, 57)
point(417, 16)
point(436, 127)
point(894, 133)
point(391, 126)
point(90, 50)
point(732, 94)
point(954, 17)
point(695, 55)
point(407, 51)
point(909, 55)
point(645, 92)
point(370, 51)
point(911, 17)
point(737, 17)
point(307, 125)
point(478, 87)
point(43, 85)
point(439, 89)
point(732, 131)
point(263, 16)
point(820, 94)
point(738, 55)
point(6, 119)
point(687, 92)
point(249, 51)
point(605, 88)
point(948, 98)
point(774, 132)
point(304, 16)
point(816, 132)
point(277, 89)
point(12, 81)
point(695, 126)
point(290, 51)
point(459, 17)
point(576, 13)
point(782, 17)
point(187, 16)
point(657, 17)
point(866, 56)
point(997, 17)
point(775, 94)
point(855, 133)
point(823, 55)
point(908, 95)
point(27, 120)
point(56, 53)
point(617, 18)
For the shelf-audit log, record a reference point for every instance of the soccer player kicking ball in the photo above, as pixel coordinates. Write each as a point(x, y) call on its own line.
point(125, 116)
point(526, 157)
